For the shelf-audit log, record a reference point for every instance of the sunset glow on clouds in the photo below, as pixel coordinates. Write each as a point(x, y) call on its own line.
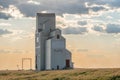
point(91, 29)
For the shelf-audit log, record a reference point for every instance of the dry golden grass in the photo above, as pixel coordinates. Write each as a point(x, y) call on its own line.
point(75, 74)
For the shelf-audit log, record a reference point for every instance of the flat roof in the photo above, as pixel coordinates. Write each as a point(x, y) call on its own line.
point(45, 14)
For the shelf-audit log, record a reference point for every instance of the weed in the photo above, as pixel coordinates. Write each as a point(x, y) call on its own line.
point(4, 74)
point(61, 78)
point(115, 77)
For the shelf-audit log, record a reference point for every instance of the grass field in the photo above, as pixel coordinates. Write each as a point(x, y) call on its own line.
point(75, 74)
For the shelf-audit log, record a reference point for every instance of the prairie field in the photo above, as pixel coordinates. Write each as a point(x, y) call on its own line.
point(73, 74)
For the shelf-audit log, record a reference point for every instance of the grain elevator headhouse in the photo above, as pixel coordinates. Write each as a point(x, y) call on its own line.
point(50, 46)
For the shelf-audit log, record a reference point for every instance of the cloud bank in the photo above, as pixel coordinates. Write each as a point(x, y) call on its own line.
point(4, 32)
point(79, 8)
point(30, 7)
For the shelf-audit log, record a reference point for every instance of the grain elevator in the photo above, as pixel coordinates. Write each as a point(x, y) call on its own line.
point(50, 45)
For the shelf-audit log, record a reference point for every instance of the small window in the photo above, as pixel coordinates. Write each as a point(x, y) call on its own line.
point(58, 36)
point(39, 30)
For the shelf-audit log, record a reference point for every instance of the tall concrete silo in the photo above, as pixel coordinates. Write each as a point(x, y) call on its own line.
point(45, 23)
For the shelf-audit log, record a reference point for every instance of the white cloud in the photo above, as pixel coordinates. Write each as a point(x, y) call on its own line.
point(12, 11)
point(109, 17)
point(74, 30)
point(60, 22)
point(4, 32)
point(15, 34)
point(5, 24)
point(88, 5)
point(19, 35)
point(1, 7)
point(44, 12)
point(33, 2)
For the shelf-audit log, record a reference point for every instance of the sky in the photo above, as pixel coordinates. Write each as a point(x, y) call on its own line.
point(91, 29)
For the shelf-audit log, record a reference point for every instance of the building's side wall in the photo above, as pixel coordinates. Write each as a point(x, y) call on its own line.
point(40, 55)
point(68, 57)
point(58, 54)
point(48, 55)
point(45, 22)
point(37, 51)
point(42, 51)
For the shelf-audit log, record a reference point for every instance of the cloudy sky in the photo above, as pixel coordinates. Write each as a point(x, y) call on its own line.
point(91, 29)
